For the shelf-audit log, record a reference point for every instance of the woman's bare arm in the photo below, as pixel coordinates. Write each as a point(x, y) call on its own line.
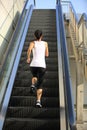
point(47, 50)
point(29, 51)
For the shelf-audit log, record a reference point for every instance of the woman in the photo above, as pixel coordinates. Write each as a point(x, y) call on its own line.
point(38, 64)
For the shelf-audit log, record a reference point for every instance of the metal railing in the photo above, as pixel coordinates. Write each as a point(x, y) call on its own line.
point(78, 24)
point(69, 105)
point(13, 57)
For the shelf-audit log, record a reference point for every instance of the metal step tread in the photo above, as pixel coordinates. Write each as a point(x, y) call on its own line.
point(50, 67)
point(27, 75)
point(32, 112)
point(27, 83)
point(25, 91)
point(31, 101)
point(31, 124)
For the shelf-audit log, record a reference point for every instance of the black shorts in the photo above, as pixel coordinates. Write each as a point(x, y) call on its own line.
point(39, 73)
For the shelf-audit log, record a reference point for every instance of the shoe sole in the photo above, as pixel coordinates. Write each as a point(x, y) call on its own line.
point(38, 106)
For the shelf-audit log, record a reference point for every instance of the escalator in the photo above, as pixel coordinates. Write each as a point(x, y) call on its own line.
point(22, 113)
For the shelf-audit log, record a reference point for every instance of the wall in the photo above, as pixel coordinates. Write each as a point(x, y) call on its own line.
point(9, 13)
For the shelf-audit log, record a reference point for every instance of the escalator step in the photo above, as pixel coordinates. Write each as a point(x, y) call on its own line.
point(24, 54)
point(27, 75)
point(31, 101)
point(31, 124)
point(50, 44)
point(26, 67)
point(26, 83)
point(25, 91)
point(32, 112)
point(51, 49)
point(51, 60)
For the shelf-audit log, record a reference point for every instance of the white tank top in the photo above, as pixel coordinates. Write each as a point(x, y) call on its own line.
point(38, 55)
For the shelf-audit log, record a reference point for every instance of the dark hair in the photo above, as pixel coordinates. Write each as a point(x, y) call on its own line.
point(38, 34)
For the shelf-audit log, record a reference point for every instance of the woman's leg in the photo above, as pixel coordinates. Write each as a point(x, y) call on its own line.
point(41, 73)
point(39, 94)
point(34, 80)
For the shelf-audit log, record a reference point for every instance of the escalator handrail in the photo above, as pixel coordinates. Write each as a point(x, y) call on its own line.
point(60, 77)
point(14, 70)
point(68, 88)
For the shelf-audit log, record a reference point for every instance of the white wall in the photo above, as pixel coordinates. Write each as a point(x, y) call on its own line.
point(9, 11)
